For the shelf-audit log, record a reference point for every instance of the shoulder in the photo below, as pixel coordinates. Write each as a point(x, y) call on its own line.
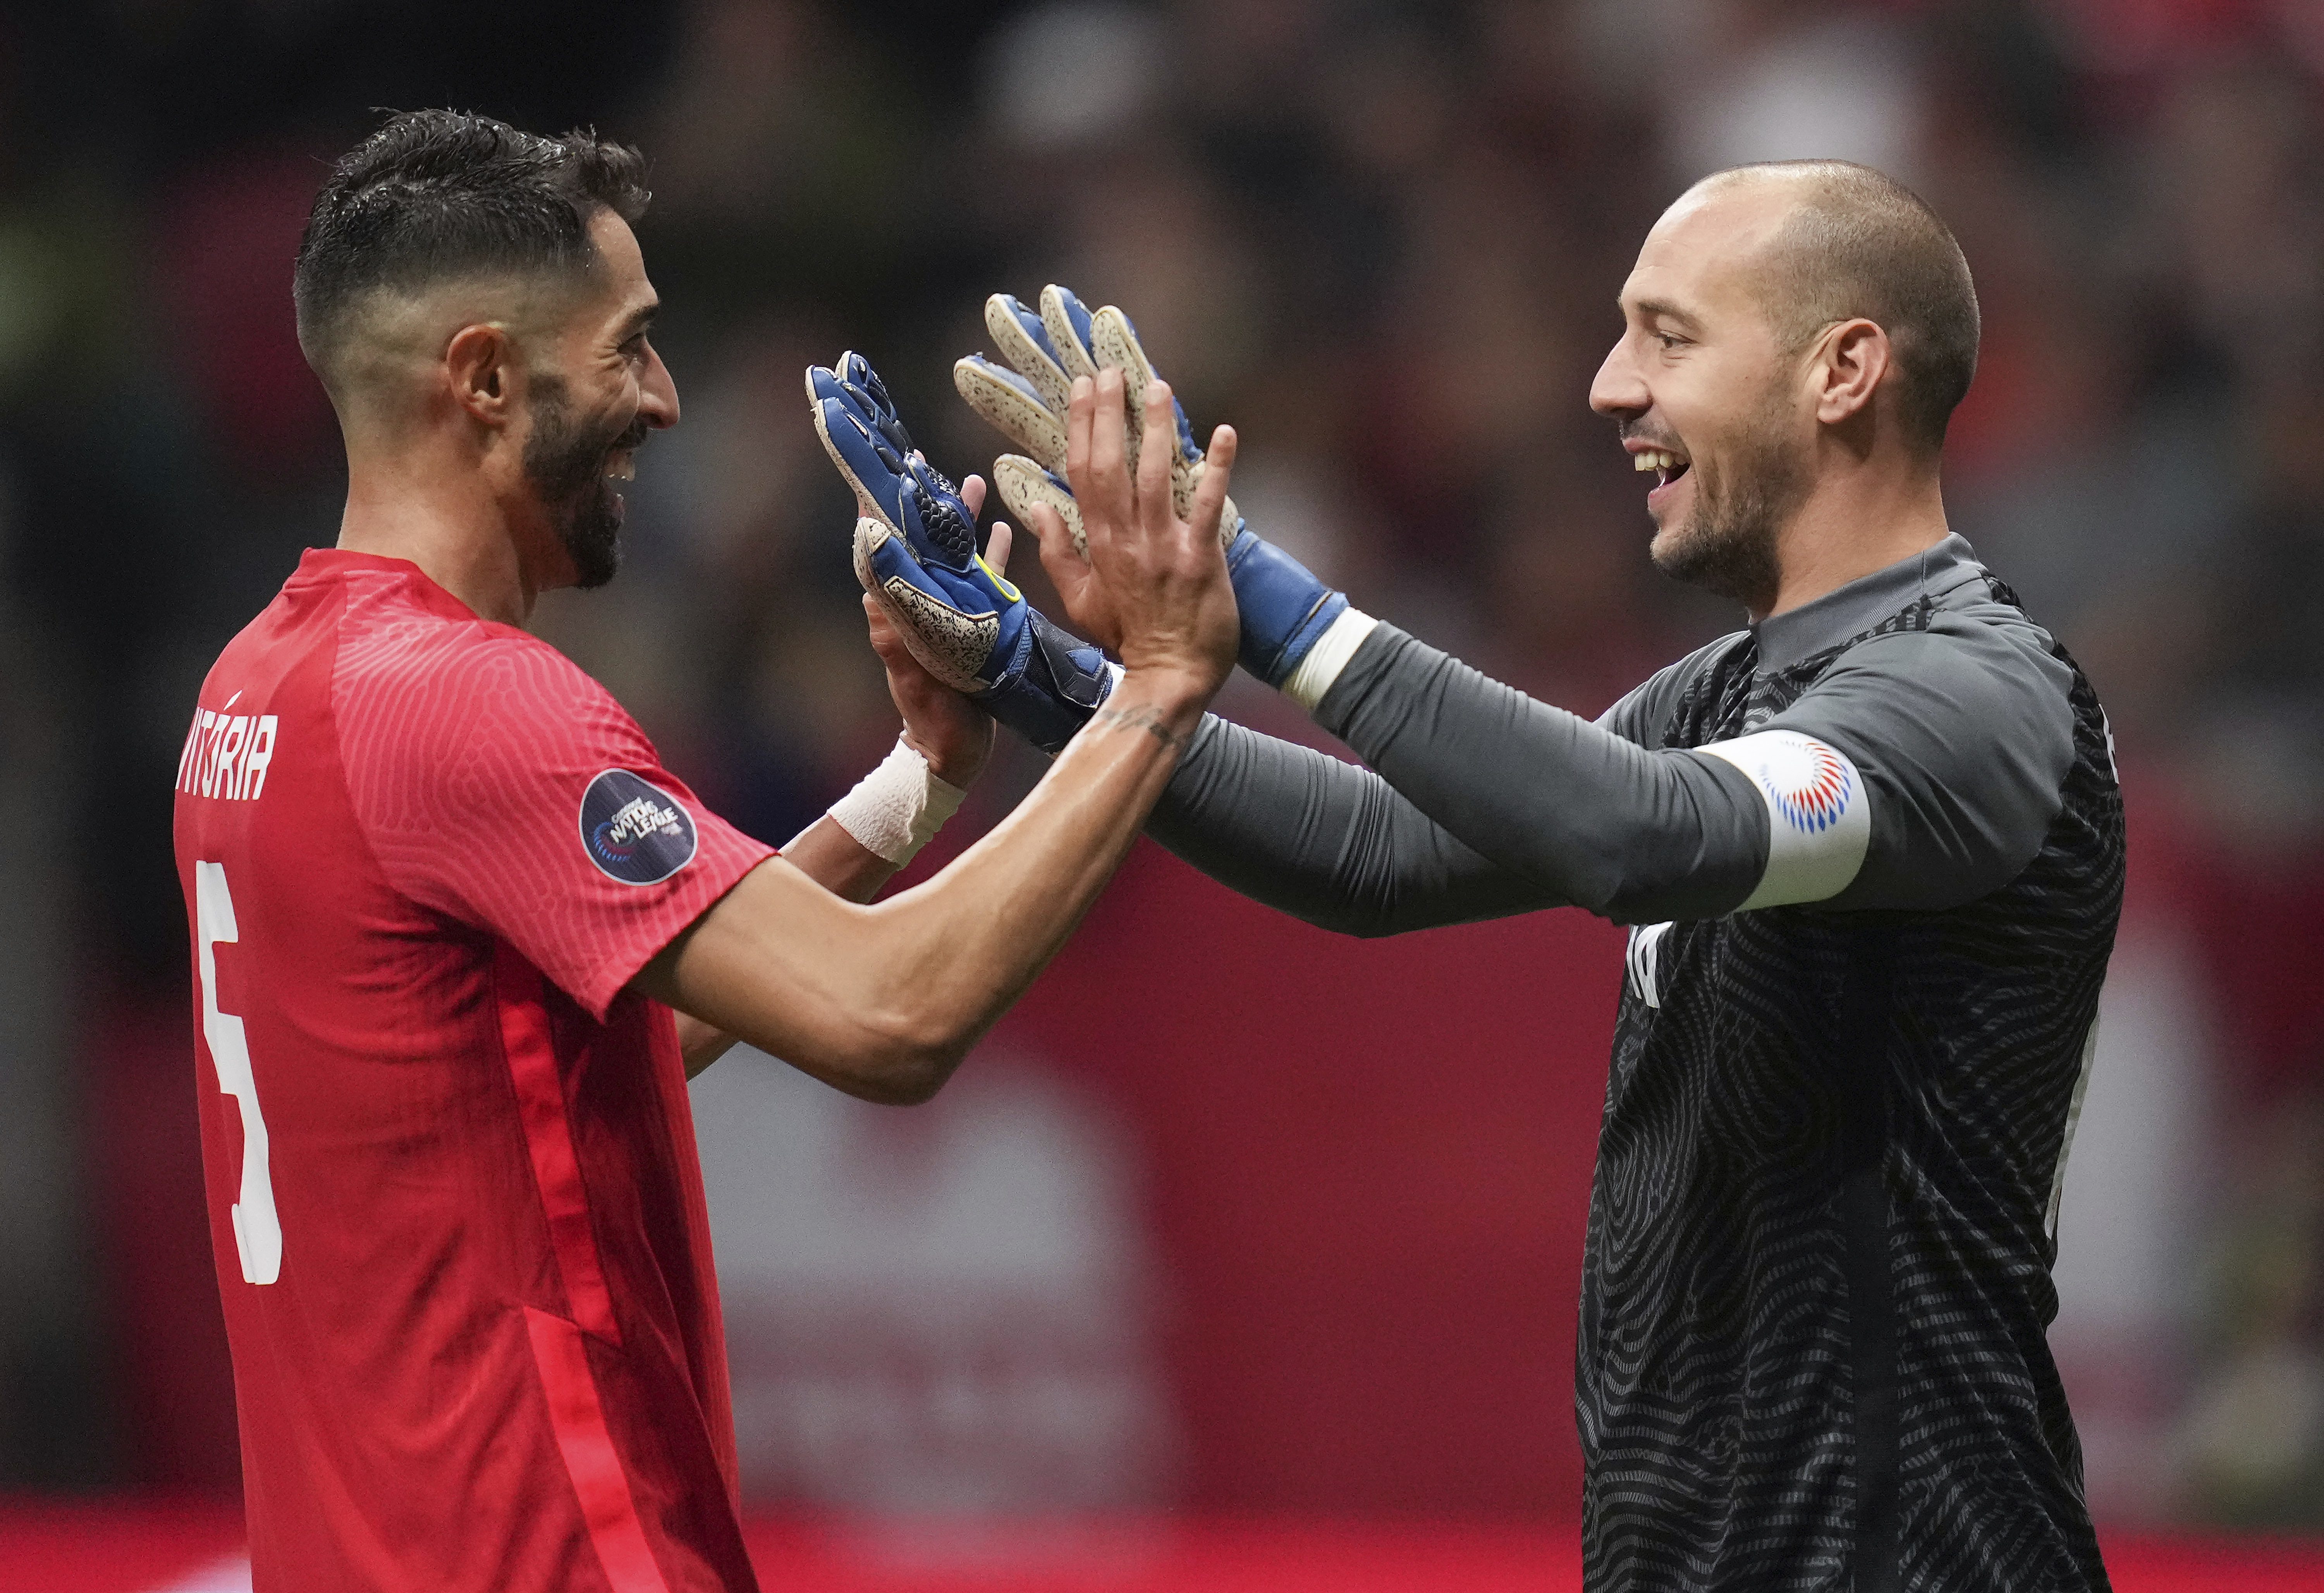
point(1977, 690)
point(416, 684)
point(1641, 715)
point(1971, 645)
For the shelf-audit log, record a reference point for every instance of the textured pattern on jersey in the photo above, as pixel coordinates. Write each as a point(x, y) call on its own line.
point(468, 748)
point(1811, 1350)
point(493, 1359)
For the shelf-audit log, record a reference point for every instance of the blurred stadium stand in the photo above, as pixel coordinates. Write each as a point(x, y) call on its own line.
point(1232, 1218)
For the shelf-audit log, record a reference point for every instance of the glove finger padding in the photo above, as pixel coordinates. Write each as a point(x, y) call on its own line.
point(893, 482)
point(1067, 321)
point(954, 644)
point(1015, 407)
point(1065, 340)
point(1285, 611)
point(914, 550)
point(1118, 347)
point(1022, 337)
point(1024, 484)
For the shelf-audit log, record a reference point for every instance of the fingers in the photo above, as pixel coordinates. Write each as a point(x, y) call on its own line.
point(1098, 465)
point(1067, 572)
point(1211, 491)
point(996, 549)
point(885, 641)
point(1155, 458)
point(1109, 448)
point(1076, 585)
point(1080, 420)
point(971, 493)
point(1118, 493)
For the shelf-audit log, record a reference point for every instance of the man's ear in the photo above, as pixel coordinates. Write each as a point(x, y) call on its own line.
point(1849, 362)
point(480, 363)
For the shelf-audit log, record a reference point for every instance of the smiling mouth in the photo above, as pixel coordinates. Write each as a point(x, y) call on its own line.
point(617, 475)
point(1667, 466)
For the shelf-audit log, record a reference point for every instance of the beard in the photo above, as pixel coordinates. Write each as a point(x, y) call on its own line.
point(565, 460)
point(1727, 543)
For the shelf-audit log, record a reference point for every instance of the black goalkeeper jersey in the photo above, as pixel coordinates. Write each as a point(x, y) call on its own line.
point(1818, 1265)
point(1871, 916)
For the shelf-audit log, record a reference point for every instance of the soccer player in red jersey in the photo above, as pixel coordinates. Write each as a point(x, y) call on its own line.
point(459, 938)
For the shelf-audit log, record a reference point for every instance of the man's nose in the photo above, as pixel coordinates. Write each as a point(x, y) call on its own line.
point(1618, 389)
point(658, 393)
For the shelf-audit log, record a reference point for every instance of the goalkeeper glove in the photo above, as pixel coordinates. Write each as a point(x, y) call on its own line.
point(1285, 608)
point(915, 552)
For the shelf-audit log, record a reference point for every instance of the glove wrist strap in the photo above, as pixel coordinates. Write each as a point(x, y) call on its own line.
point(899, 807)
point(1062, 681)
point(1306, 684)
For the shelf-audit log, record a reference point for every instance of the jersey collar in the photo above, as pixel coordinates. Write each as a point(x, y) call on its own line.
point(329, 564)
point(1796, 634)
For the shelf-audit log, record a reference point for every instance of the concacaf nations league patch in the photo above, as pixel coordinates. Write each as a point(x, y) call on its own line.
point(633, 831)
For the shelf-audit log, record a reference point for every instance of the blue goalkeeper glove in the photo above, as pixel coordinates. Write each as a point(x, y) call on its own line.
point(915, 554)
point(1285, 608)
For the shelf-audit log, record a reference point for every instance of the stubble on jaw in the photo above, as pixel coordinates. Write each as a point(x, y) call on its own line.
point(566, 464)
point(1727, 543)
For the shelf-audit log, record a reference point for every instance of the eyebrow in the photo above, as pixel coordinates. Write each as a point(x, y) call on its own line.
point(639, 320)
point(1647, 309)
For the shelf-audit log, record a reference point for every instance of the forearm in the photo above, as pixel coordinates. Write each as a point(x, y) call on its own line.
point(1590, 817)
point(827, 853)
point(965, 945)
point(1324, 840)
point(830, 856)
point(882, 1001)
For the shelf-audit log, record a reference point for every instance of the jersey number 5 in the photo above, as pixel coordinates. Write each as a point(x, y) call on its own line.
point(257, 1231)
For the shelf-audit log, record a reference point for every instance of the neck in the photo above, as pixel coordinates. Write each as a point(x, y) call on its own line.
point(442, 514)
point(1851, 524)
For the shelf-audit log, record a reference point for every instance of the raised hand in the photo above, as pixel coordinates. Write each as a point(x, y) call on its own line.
point(1047, 350)
point(915, 552)
point(1154, 585)
point(942, 725)
point(1285, 609)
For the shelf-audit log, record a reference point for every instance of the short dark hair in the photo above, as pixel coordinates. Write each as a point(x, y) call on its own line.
point(1861, 244)
point(439, 195)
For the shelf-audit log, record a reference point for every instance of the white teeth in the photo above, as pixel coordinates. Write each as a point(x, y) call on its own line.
point(1654, 458)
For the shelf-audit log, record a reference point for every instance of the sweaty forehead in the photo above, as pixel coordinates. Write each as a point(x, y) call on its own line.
point(1708, 252)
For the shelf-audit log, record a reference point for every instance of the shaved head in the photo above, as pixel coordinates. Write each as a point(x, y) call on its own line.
point(1855, 243)
point(1795, 337)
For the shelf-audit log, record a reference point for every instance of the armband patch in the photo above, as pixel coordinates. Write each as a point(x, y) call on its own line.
point(1819, 814)
point(633, 830)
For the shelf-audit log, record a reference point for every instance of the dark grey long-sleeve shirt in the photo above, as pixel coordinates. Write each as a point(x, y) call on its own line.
point(1485, 803)
point(1817, 1275)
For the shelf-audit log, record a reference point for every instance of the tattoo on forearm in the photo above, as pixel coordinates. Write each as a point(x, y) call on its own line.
point(1141, 718)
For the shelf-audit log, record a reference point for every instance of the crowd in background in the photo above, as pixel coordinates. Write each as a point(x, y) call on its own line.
point(1384, 241)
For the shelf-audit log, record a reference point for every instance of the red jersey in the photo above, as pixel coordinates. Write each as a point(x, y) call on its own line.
point(453, 1185)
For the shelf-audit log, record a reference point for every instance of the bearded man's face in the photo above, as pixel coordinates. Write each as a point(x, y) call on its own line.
point(1747, 478)
point(570, 460)
point(596, 386)
point(1708, 396)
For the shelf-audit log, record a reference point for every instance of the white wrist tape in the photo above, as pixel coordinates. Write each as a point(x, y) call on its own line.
point(898, 808)
point(1819, 814)
point(1306, 684)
